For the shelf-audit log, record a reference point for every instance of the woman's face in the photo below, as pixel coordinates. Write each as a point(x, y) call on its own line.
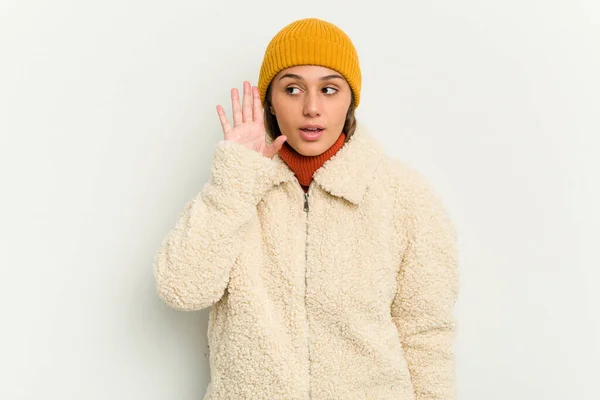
point(310, 103)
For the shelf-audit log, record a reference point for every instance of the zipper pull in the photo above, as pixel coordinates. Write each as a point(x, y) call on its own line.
point(306, 201)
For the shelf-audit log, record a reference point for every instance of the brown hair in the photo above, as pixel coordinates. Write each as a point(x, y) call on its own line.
point(272, 127)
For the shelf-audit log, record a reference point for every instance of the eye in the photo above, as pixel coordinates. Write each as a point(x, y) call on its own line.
point(331, 90)
point(289, 90)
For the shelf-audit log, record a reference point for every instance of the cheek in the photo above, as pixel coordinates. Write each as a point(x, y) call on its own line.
point(284, 111)
point(340, 112)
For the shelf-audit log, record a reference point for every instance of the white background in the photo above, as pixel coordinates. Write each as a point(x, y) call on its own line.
point(108, 125)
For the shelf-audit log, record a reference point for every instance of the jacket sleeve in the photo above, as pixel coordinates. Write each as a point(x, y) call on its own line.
point(427, 291)
point(192, 265)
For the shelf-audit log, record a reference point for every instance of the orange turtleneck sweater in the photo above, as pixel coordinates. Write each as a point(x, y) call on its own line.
point(305, 166)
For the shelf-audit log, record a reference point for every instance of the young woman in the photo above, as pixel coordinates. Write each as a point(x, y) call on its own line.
point(331, 268)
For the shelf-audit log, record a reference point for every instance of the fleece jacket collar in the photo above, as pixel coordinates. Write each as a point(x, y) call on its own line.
point(346, 174)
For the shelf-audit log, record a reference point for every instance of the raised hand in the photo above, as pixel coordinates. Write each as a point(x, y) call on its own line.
point(248, 124)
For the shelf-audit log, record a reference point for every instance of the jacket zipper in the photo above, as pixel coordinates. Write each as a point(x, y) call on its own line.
point(306, 209)
point(306, 201)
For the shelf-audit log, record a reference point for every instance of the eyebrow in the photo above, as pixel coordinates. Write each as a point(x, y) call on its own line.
point(323, 78)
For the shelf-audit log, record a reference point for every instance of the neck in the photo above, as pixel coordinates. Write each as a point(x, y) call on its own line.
point(303, 166)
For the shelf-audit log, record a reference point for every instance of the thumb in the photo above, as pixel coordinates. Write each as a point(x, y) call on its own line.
point(276, 146)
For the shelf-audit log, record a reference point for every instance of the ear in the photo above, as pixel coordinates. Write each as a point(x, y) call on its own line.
point(272, 110)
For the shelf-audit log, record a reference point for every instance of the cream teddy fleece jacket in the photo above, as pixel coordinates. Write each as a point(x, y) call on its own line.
point(346, 292)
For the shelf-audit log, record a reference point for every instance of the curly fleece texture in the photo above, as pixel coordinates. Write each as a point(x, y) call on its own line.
point(351, 299)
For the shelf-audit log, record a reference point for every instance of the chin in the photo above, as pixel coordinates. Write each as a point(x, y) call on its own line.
point(310, 149)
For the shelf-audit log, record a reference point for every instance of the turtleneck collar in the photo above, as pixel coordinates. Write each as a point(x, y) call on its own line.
point(303, 166)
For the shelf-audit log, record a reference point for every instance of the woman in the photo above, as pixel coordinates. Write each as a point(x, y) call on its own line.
point(331, 268)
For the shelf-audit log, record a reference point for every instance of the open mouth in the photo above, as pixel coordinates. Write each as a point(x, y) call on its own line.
point(312, 130)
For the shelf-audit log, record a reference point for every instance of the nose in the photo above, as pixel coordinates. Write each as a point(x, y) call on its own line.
point(312, 105)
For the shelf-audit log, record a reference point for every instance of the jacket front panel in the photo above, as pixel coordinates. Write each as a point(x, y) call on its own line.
point(259, 326)
point(353, 257)
point(313, 300)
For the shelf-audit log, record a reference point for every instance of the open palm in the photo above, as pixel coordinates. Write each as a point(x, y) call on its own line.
point(248, 124)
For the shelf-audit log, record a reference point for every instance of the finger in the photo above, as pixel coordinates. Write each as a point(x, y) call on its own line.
point(275, 146)
point(235, 107)
point(257, 114)
point(223, 119)
point(247, 103)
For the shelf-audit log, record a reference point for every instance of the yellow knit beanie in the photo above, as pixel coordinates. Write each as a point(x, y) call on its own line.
point(311, 41)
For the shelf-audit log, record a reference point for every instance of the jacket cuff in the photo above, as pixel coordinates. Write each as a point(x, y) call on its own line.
point(240, 174)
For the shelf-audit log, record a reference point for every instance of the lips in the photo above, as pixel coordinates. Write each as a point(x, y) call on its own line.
point(311, 132)
point(312, 129)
